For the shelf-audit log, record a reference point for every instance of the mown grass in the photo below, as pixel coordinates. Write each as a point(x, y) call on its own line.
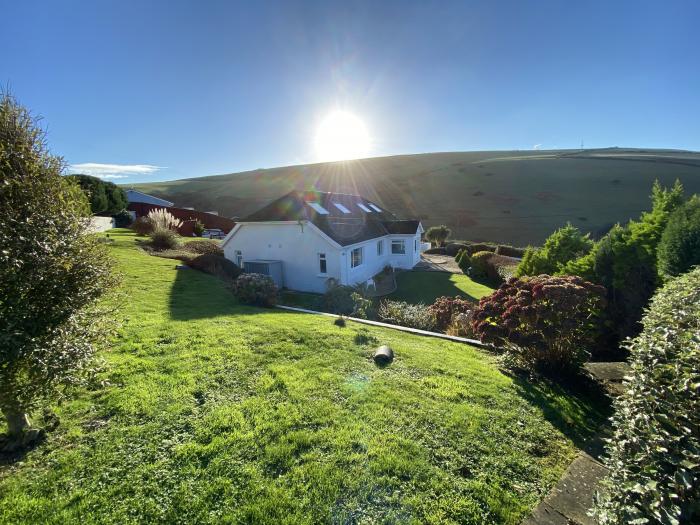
point(424, 287)
point(212, 412)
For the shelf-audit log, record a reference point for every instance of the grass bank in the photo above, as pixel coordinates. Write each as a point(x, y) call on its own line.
point(424, 287)
point(212, 412)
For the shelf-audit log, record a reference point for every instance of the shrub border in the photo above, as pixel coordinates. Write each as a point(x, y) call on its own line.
point(417, 331)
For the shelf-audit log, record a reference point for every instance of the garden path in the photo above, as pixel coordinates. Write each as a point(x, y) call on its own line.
point(569, 502)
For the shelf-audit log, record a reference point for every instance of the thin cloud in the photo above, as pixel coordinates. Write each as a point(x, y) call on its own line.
point(113, 171)
point(537, 146)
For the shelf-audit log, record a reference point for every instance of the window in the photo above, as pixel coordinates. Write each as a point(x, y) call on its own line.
point(398, 247)
point(322, 268)
point(341, 207)
point(318, 208)
point(239, 258)
point(415, 245)
point(380, 247)
point(364, 208)
point(375, 208)
point(356, 257)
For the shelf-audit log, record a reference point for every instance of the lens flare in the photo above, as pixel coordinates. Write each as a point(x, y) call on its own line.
point(342, 136)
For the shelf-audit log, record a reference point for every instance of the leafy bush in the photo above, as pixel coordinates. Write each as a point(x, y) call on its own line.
point(406, 314)
point(52, 275)
point(198, 228)
point(364, 307)
point(202, 247)
point(162, 219)
point(445, 308)
point(564, 245)
point(461, 325)
point(510, 251)
point(164, 239)
point(438, 234)
point(500, 268)
point(216, 265)
point(463, 261)
point(453, 248)
point(142, 226)
point(679, 248)
point(479, 247)
point(347, 300)
point(546, 324)
point(122, 219)
point(436, 251)
point(624, 261)
point(655, 449)
point(256, 289)
point(479, 267)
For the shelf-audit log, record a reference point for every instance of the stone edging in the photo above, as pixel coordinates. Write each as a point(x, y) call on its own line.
point(456, 339)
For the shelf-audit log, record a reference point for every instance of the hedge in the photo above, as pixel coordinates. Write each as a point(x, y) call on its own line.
point(510, 251)
point(453, 248)
point(679, 248)
point(654, 454)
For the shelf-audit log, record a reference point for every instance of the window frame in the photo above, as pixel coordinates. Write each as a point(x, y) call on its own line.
point(360, 250)
point(402, 243)
point(238, 255)
point(380, 248)
point(322, 264)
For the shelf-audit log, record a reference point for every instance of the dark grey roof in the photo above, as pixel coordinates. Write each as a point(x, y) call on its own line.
point(347, 223)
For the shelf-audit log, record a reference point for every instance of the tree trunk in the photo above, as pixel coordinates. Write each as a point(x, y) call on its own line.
point(17, 422)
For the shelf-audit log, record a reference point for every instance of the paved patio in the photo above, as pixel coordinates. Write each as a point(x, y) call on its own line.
point(437, 263)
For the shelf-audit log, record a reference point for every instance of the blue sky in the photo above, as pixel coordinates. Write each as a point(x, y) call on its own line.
point(140, 90)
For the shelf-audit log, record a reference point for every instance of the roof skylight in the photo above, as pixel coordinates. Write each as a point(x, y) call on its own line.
point(318, 208)
point(375, 208)
point(341, 207)
point(364, 208)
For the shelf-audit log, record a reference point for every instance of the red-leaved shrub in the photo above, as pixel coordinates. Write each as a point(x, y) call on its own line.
point(546, 324)
point(445, 308)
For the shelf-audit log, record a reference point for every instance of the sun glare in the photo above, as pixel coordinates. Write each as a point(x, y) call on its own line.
point(341, 136)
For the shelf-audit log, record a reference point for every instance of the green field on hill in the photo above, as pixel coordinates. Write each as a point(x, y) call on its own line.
point(515, 197)
point(207, 411)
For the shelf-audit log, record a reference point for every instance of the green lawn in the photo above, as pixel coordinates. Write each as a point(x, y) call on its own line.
point(425, 287)
point(211, 412)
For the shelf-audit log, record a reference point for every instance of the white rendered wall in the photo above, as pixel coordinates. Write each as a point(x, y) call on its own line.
point(373, 264)
point(100, 224)
point(298, 249)
point(296, 246)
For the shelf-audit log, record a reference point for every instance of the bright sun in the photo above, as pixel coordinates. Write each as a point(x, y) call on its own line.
point(341, 136)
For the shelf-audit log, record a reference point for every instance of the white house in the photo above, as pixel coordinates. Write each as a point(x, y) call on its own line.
point(318, 236)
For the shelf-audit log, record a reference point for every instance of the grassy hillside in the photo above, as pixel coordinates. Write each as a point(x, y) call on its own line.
point(512, 197)
point(212, 412)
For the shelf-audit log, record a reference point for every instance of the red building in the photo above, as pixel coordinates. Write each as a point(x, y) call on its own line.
point(188, 217)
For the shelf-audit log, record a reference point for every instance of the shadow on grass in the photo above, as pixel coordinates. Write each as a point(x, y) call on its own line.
point(10, 457)
point(197, 295)
point(425, 287)
point(577, 408)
